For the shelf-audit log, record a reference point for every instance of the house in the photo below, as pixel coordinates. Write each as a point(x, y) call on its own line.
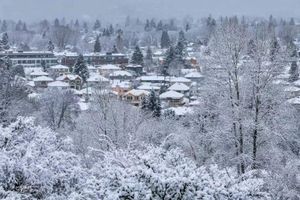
point(153, 79)
point(149, 87)
point(292, 91)
point(180, 88)
point(120, 75)
point(106, 70)
point(195, 77)
point(172, 99)
point(121, 88)
point(58, 85)
point(58, 70)
point(186, 81)
point(74, 81)
point(42, 81)
point(37, 73)
point(135, 69)
point(96, 80)
point(135, 96)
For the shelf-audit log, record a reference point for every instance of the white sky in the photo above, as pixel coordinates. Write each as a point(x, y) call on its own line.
point(118, 9)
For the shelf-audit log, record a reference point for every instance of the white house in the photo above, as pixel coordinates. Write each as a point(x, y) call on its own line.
point(172, 98)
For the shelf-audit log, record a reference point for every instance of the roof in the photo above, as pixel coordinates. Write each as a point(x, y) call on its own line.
point(97, 78)
point(292, 89)
point(294, 101)
point(42, 78)
point(148, 87)
point(58, 84)
point(59, 67)
point(109, 67)
point(120, 73)
point(179, 87)
point(135, 92)
point(193, 75)
point(134, 66)
point(39, 73)
point(297, 83)
point(67, 76)
point(181, 111)
point(171, 95)
point(180, 80)
point(152, 78)
point(123, 84)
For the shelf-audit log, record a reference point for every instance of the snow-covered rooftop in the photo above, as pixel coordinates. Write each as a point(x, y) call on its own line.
point(39, 73)
point(97, 78)
point(58, 84)
point(121, 73)
point(109, 67)
point(68, 76)
point(180, 80)
point(59, 67)
point(42, 78)
point(193, 75)
point(179, 87)
point(171, 95)
point(135, 92)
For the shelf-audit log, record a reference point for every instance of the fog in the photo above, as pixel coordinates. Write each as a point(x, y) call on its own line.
point(119, 9)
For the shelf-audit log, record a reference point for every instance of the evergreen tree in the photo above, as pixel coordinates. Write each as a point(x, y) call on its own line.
point(24, 28)
point(19, 26)
point(159, 26)
point(97, 45)
point(80, 68)
point(274, 48)
point(77, 25)
point(18, 70)
point(4, 26)
point(97, 25)
point(115, 49)
point(152, 24)
point(4, 42)
point(170, 56)
point(151, 104)
point(111, 29)
point(50, 46)
point(137, 57)
point(149, 55)
point(251, 48)
point(120, 42)
point(294, 72)
point(147, 26)
point(56, 22)
point(179, 50)
point(187, 27)
point(44, 66)
point(85, 27)
point(181, 37)
point(165, 40)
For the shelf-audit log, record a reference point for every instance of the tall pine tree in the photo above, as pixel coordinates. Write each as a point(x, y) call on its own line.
point(137, 57)
point(165, 40)
point(97, 45)
point(294, 72)
point(81, 69)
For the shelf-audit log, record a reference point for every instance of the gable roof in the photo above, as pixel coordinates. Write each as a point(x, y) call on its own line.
point(171, 95)
point(179, 87)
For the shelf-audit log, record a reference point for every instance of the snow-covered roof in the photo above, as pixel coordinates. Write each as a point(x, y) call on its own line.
point(38, 73)
point(134, 66)
point(58, 84)
point(42, 78)
point(121, 73)
point(91, 67)
point(179, 87)
point(297, 83)
point(97, 78)
point(68, 76)
point(294, 101)
point(29, 70)
point(59, 67)
point(171, 95)
point(83, 106)
point(292, 89)
point(180, 80)
point(193, 75)
point(135, 92)
point(152, 78)
point(124, 84)
point(109, 67)
point(148, 87)
point(30, 83)
point(195, 103)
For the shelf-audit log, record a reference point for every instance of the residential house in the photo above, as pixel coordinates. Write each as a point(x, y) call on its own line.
point(74, 81)
point(42, 81)
point(171, 99)
point(120, 75)
point(58, 70)
point(135, 96)
point(58, 85)
point(106, 70)
point(181, 88)
point(96, 80)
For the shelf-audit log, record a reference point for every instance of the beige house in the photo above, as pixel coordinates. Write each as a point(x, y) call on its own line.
point(135, 96)
point(74, 81)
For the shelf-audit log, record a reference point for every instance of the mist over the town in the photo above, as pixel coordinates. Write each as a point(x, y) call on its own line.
point(149, 100)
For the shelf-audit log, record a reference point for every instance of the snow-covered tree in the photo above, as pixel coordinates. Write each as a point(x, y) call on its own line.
point(165, 40)
point(80, 68)
point(97, 45)
point(137, 56)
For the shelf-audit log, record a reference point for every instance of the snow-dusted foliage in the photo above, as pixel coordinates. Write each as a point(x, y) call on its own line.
point(38, 164)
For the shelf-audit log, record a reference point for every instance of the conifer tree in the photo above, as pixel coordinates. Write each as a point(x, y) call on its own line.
point(50, 46)
point(294, 72)
point(80, 68)
point(97, 45)
point(151, 104)
point(4, 42)
point(137, 57)
point(97, 25)
point(165, 40)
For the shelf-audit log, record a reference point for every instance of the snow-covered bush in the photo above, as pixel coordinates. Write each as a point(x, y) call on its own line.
point(35, 163)
point(155, 173)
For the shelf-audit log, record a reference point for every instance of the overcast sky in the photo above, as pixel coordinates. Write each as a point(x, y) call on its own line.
point(119, 9)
